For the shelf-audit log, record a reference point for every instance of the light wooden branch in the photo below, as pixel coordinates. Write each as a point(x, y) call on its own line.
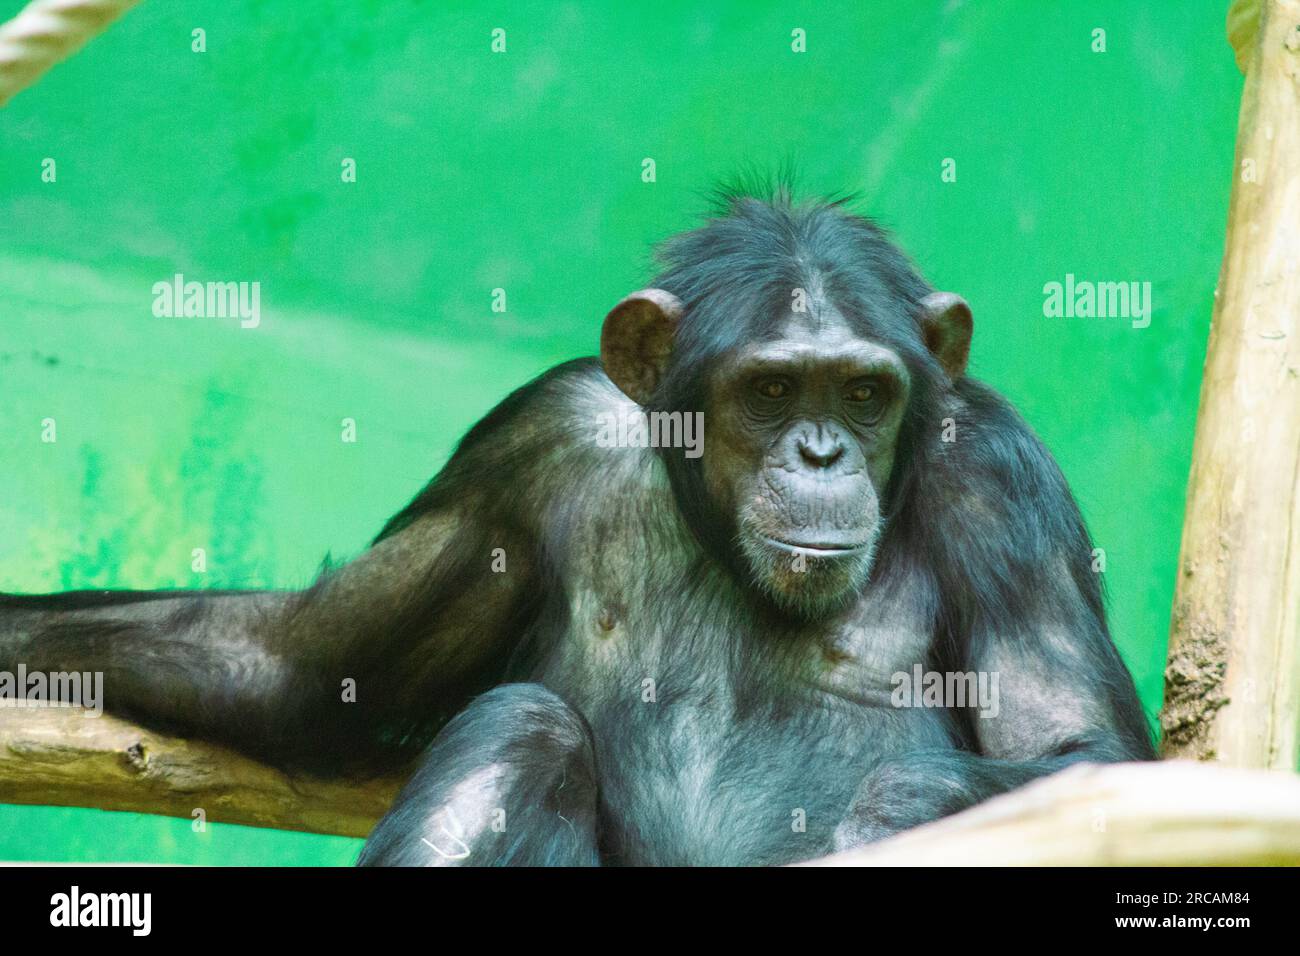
point(60, 757)
point(1172, 813)
point(1176, 813)
point(1232, 689)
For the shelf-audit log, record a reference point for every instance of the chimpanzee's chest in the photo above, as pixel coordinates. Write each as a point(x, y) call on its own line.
point(721, 739)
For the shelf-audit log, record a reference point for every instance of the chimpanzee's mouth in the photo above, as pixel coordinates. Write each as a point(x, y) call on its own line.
point(822, 548)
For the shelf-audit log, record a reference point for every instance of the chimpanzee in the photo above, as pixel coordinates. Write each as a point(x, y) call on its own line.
point(651, 652)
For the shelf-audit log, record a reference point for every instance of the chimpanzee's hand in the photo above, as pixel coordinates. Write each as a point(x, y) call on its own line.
point(908, 790)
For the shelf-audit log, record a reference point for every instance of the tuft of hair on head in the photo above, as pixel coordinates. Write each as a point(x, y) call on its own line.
point(760, 241)
point(776, 187)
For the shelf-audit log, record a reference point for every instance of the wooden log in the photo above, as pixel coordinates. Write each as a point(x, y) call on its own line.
point(1177, 813)
point(61, 758)
point(1173, 813)
point(1232, 686)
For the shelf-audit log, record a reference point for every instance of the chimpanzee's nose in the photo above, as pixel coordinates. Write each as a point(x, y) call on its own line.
point(820, 450)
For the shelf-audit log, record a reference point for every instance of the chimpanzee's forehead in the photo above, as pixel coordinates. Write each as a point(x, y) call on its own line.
point(826, 326)
point(813, 314)
point(824, 339)
point(799, 297)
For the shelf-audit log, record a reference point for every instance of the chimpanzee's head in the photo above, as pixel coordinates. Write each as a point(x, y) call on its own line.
point(816, 354)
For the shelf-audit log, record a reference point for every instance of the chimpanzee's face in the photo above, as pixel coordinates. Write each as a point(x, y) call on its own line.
point(802, 430)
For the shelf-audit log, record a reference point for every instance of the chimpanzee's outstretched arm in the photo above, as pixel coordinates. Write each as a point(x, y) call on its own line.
point(1023, 612)
point(420, 622)
point(265, 671)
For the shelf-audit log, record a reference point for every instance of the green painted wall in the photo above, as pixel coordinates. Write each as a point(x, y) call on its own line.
point(522, 171)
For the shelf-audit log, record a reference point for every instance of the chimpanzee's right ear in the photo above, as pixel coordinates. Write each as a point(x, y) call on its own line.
point(637, 340)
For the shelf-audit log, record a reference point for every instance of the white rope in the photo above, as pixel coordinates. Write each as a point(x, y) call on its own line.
point(47, 31)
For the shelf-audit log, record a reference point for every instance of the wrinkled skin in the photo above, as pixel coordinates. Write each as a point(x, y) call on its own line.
point(807, 428)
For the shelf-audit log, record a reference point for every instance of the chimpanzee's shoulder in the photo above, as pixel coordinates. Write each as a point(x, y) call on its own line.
point(564, 414)
point(554, 411)
point(536, 444)
point(992, 482)
point(984, 439)
point(551, 435)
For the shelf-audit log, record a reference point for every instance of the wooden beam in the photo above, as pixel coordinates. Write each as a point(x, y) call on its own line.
point(1232, 686)
point(1176, 813)
point(1173, 813)
point(61, 758)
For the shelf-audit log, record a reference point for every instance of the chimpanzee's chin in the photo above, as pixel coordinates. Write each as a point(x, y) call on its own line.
point(810, 582)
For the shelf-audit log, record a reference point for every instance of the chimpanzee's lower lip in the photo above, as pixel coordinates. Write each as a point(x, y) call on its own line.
point(817, 548)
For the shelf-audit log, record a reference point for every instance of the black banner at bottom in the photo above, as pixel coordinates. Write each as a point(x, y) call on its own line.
point(439, 906)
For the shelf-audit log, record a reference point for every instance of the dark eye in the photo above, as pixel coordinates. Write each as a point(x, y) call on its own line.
point(773, 388)
point(866, 399)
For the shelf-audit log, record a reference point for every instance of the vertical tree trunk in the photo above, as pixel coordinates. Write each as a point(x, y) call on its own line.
point(1232, 689)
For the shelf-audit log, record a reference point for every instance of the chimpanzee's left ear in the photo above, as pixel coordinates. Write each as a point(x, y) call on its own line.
point(637, 339)
point(946, 324)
